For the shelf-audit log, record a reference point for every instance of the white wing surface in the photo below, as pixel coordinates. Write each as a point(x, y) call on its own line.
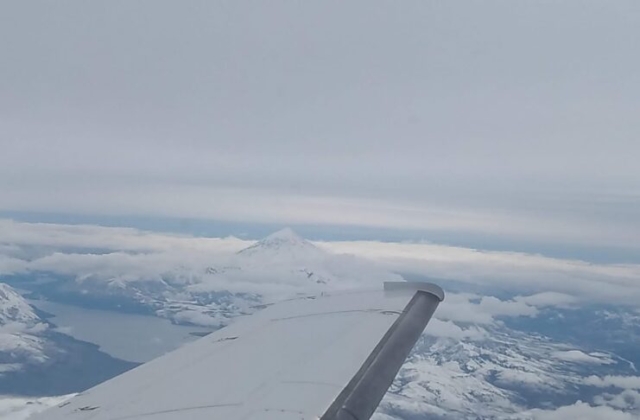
point(330, 357)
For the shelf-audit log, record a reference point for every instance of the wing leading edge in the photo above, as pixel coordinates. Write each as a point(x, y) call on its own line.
point(307, 358)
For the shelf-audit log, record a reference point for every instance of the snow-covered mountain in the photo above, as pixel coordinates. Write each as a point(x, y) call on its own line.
point(511, 374)
point(14, 309)
point(21, 332)
point(284, 245)
point(289, 261)
point(279, 266)
point(281, 258)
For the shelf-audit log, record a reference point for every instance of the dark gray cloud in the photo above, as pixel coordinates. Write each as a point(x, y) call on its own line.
point(524, 112)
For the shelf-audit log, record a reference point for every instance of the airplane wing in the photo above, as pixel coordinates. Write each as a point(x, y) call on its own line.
point(329, 357)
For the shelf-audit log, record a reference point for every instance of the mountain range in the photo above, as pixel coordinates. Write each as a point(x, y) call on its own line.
point(482, 357)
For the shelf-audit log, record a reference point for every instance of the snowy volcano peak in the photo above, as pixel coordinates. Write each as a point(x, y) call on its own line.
point(13, 308)
point(285, 242)
point(287, 235)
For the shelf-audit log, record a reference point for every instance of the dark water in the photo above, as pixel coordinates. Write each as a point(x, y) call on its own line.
point(73, 365)
point(64, 289)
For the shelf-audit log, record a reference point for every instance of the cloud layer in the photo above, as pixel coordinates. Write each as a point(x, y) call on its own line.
point(85, 251)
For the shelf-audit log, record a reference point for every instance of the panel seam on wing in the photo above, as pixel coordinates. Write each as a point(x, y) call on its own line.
point(373, 311)
point(177, 410)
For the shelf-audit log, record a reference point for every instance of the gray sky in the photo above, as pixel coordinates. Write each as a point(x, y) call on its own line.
point(504, 117)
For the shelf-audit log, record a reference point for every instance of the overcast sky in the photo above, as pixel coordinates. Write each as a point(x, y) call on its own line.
point(509, 117)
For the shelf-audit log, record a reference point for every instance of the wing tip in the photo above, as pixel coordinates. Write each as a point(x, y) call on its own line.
point(414, 286)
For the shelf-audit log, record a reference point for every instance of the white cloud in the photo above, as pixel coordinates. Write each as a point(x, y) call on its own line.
point(458, 307)
point(626, 400)
point(523, 377)
point(543, 281)
point(481, 310)
point(497, 307)
point(583, 411)
point(624, 382)
point(544, 299)
point(57, 236)
point(578, 356)
point(281, 207)
point(198, 318)
point(11, 265)
point(532, 273)
point(116, 257)
point(447, 329)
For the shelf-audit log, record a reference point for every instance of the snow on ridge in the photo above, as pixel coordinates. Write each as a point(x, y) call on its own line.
point(20, 329)
point(283, 244)
point(18, 408)
point(286, 234)
point(14, 309)
point(475, 378)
